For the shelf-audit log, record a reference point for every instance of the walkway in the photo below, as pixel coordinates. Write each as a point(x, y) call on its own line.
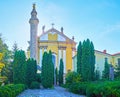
point(57, 92)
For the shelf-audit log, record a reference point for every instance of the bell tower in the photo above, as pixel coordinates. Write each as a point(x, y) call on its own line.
point(33, 34)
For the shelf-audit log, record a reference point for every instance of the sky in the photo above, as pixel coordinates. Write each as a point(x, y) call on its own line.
point(98, 20)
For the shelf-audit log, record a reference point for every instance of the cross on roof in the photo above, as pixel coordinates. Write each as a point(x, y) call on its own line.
point(52, 25)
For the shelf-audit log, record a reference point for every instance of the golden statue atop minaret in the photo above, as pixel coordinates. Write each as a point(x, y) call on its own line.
point(34, 5)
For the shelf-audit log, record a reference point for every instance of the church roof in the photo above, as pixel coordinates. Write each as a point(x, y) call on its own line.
point(58, 32)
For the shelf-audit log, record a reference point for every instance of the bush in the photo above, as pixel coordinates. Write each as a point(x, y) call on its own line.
point(38, 77)
point(78, 88)
point(73, 77)
point(11, 90)
point(35, 85)
point(104, 89)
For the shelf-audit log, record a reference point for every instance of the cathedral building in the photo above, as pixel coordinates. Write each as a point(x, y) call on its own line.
point(60, 45)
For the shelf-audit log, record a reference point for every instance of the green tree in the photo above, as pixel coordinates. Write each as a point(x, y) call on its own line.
point(79, 57)
point(97, 75)
point(44, 71)
point(15, 47)
point(5, 51)
point(47, 73)
point(61, 68)
point(56, 75)
point(50, 69)
point(72, 77)
point(7, 70)
point(105, 73)
point(88, 61)
point(117, 71)
point(92, 60)
point(19, 67)
point(31, 71)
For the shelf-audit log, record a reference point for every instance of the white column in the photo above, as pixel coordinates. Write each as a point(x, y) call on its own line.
point(40, 57)
point(64, 60)
point(45, 49)
point(73, 53)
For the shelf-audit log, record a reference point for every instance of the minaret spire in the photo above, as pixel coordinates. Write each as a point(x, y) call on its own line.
point(33, 34)
point(34, 5)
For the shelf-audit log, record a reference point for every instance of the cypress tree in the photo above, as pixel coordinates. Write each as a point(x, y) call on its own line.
point(105, 73)
point(92, 60)
point(31, 71)
point(79, 57)
point(56, 75)
point(47, 74)
point(51, 69)
point(19, 67)
point(61, 68)
point(87, 61)
point(44, 70)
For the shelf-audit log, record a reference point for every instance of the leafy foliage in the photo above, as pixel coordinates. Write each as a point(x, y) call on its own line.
point(105, 73)
point(79, 57)
point(38, 77)
point(104, 89)
point(57, 76)
point(47, 74)
point(19, 67)
point(73, 77)
point(31, 71)
point(35, 85)
point(61, 68)
point(11, 90)
point(5, 61)
point(88, 61)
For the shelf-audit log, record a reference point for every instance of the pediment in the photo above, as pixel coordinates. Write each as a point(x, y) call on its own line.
point(54, 35)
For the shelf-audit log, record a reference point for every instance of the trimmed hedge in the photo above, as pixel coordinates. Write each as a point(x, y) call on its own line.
point(96, 89)
point(11, 90)
point(35, 85)
point(104, 89)
point(78, 88)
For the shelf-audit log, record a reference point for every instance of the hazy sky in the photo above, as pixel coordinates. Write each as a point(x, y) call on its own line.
point(98, 20)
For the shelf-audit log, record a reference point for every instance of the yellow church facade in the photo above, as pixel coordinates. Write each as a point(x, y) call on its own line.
point(60, 45)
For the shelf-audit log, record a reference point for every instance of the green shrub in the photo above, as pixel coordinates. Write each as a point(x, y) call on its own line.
point(104, 89)
point(38, 77)
point(35, 85)
point(11, 90)
point(78, 88)
point(73, 77)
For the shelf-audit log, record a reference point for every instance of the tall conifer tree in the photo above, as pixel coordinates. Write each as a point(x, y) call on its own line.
point(92, 60)
point(79, 57)
point(47, 74)
point(87, 61)
point(105, 73)
point(31, 71)
point(19, 67)
point(61, 68)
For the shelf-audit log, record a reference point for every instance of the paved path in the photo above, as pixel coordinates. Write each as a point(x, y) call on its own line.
point(57, 92)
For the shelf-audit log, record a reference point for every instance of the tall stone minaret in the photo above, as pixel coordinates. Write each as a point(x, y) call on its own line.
point(33, 34)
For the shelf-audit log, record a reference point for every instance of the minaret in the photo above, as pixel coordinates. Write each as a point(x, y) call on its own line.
point(33, 34)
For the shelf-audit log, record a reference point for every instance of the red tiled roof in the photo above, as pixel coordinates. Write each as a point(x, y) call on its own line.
point(116, 54)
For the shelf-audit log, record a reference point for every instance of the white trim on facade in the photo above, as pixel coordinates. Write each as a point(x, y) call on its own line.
point(64, 60)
